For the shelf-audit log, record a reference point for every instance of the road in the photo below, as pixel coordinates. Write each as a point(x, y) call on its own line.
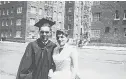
point(93, 63)
point(102, 64)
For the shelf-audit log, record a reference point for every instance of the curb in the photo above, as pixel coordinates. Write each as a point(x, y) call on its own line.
point(105, 48)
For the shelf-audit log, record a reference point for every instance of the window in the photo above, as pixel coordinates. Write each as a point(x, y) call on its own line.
point(55, 16)
point(2, 35)
point(33, 9)
point(32, 21)
point(11, 22)
point(10, 34)
point(116, 15)
point(70, 1)
point(70, 9)
point(116, 30)
point(95, 33)
point(40, 11)
point(18, 22)
point(8, 1)
point(3, 23)
point(124, 32)
point(0, 3)
point(96, 3)
point(12, 10)
point(7, 12)
point(60, 4)
point(69, 18)
point(6, 23)
point(124, 18)
point(96, 16)
point(69, 27)
point(18, 34)
point(19, 10)
point(0, 12)
point(107, 29)
point(59, 16)
point(3, 11)
point(4, 2)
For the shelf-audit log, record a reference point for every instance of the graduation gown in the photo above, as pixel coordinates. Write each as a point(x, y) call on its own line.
point(36, 61)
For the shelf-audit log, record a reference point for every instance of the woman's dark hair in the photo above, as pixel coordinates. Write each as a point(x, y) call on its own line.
point(59, 32)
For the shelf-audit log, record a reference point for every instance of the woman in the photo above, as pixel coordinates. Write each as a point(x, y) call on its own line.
point(65, 58)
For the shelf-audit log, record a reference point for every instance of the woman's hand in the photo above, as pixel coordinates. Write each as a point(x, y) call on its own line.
point(50, 73)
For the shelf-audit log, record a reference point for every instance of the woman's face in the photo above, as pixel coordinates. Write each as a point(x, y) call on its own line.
point(62, 39)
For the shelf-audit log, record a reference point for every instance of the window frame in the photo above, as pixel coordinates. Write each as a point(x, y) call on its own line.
point(116, 15)
point(18, 36)
point(124, 17)
point(33, 9)
point(32, 21)
point(95, 33)
point(107, 29)
point(3, 22)
point(18, 22)
point(19, 10)
point(97, 16)
point(7, 22)
point(3, 13)
point(40, 11)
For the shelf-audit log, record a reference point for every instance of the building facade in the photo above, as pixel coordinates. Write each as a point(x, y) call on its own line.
point(35, 11)
point(17, 18)
point(109, 23)
point(12, 20)
point(58, 16)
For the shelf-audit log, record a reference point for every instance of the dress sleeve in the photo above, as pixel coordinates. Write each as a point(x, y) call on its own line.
point(26, 62)
point(74, 57)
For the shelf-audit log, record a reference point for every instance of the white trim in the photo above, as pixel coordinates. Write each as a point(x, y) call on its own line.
point(116, 19)
point(6, 23)
point(3, 23)
point(17, 37)
point(124, 18)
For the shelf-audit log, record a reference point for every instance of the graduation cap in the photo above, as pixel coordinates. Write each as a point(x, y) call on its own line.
point(44, 21)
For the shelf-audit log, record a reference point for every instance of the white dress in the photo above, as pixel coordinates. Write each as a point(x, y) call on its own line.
point(63, 63)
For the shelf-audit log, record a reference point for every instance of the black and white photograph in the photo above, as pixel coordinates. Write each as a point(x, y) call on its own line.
point(62, 39)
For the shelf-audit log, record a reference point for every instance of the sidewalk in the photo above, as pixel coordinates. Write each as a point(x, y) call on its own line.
point(85, 47)
point(105, 48)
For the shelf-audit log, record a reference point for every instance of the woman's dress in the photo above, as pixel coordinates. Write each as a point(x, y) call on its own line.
point(63, 61)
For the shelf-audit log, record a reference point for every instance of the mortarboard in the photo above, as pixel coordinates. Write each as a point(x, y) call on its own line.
point(44, 21)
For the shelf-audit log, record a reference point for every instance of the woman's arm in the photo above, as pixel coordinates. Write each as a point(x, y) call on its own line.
point(74, 57)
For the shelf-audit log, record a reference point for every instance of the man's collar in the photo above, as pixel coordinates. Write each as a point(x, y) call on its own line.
point(45, 42)
point(42, 44)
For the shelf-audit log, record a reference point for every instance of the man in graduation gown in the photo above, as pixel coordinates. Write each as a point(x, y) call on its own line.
point(37, 60)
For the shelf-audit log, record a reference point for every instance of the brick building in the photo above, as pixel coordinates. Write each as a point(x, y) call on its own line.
point(109, 22)
point(17, 18)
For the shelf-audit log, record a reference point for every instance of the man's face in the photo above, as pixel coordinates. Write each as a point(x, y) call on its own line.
point(44, 33)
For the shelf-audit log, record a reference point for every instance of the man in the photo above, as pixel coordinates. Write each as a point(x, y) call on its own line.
point(37, 60)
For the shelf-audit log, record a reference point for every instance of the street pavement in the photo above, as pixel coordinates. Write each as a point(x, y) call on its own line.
point(95, 62)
